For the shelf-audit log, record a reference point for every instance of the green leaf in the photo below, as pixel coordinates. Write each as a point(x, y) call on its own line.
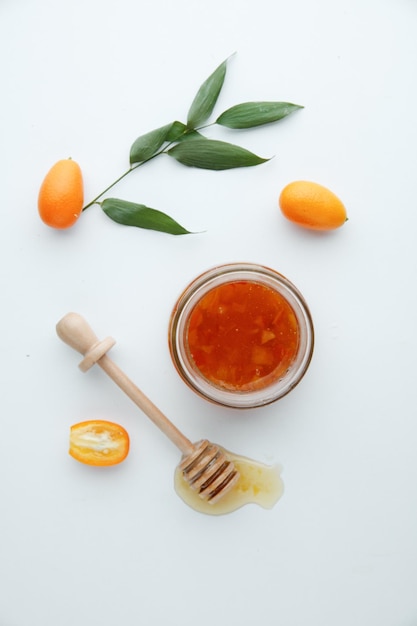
point(177, 130)
point(181, 132)
point(147, 145)
point(131, 214)
point(250, 114)
point(203, 103)
point(190, 135)
point(213, 155)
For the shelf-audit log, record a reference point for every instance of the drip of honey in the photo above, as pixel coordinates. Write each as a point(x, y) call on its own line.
point(242, 336)
point(258, 484)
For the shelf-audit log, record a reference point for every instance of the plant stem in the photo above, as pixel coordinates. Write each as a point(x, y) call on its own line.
point(131, 169)
point(134, 167)
point(109, 187)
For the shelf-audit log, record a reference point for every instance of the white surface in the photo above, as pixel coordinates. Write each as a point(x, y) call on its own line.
point(84, 546)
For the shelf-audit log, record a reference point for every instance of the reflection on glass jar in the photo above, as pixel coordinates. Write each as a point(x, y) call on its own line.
point(241, 335)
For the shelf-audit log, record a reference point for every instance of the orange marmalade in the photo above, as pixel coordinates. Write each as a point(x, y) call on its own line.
point(242, 335)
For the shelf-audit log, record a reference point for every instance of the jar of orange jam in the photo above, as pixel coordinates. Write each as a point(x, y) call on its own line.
point(241, 335)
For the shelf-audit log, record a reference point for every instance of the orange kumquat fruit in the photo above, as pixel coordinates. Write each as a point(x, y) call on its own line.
point(61, 195)
point(311, 205)
point(98, 442)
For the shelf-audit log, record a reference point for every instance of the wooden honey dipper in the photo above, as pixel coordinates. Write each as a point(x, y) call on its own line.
point(204, 465)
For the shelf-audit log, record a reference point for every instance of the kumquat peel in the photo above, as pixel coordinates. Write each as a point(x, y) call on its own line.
point(312, 206)
point(61, 195)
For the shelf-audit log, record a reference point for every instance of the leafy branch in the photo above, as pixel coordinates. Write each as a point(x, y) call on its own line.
point(187, 145)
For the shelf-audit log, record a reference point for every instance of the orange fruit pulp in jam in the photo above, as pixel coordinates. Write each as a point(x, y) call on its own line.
point(242, 336)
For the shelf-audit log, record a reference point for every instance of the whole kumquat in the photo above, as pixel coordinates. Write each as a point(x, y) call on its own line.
point(99, 442)
point(311, 205)
point(61, 195)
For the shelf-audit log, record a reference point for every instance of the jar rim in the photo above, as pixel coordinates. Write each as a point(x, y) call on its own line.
point(228, 273)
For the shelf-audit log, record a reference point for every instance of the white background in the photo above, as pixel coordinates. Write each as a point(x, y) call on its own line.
point(81, 545)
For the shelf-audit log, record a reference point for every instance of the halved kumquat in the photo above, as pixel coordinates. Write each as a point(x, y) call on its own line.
point(99, 442)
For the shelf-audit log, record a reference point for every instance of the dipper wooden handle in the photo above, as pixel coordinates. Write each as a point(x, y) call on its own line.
point(204, 465)
point(76, 332)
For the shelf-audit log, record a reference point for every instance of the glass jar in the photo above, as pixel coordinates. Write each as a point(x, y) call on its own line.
point(241, 335)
